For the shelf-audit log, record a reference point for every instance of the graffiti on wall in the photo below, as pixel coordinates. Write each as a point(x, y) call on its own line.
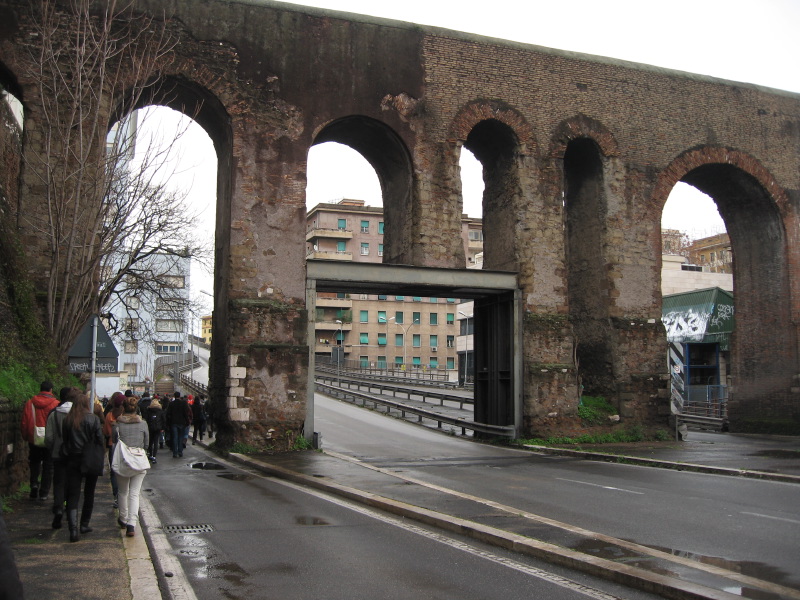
point(686, 325)
point(724, 313)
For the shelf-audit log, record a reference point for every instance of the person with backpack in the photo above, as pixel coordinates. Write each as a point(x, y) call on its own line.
point(154, 415)
point(34, 421)
point(198, 418)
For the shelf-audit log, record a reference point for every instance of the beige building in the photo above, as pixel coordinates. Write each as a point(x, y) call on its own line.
point(381, 331)
point(205, 325)
point(713, 253)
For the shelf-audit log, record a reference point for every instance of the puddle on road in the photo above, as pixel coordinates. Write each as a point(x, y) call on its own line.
point(236, 476)
point(778, 453)
point(310, 521)
point(207, 466)
point(750, 568)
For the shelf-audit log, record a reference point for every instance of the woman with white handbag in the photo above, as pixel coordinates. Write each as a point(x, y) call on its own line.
point(130, 437)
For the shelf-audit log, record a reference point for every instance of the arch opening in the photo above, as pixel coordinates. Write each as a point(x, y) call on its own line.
point(588, 286)
point(387, 154)
point(495, 145)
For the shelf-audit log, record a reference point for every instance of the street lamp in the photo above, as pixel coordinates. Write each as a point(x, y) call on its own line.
point(405, 334)
point(468, 341)
point(339, 354)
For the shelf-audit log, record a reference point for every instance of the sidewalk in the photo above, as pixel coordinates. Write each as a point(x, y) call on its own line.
point(100, 565)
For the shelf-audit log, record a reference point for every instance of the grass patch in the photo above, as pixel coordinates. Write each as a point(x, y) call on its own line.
point(595, 410)
point(634, 433)
point(301, 443)
point(242, 448)
point(7, 500)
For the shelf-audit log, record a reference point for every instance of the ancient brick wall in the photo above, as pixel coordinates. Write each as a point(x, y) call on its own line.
point(580, 154)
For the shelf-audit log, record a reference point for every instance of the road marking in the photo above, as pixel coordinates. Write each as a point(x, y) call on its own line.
point(739, 577)
point(456, 544)
point(605, 487)
point(771, 517)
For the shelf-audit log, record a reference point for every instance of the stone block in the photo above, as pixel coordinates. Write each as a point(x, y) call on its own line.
point(240, 414)
point(238, 372)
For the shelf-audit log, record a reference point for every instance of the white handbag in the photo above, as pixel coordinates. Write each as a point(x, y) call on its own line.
point(128, 461)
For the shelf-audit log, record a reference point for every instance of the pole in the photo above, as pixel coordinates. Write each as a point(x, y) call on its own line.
point(339, 348)
point(94, 360)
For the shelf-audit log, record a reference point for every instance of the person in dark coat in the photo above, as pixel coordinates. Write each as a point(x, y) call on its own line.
point(81, 428)
point(179, 418)
point(154, 415)
point(53, 438)
point(198, 418)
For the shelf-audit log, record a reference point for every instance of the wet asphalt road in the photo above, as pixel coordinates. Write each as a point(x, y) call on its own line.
point(241, 535)
point(746, 525)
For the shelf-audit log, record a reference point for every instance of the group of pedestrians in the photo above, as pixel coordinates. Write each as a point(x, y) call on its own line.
point(70, 440)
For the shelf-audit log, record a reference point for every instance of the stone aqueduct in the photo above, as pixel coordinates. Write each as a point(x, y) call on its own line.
point(579, 155)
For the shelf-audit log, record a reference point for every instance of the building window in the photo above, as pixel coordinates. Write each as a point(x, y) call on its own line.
point(131, 346)
point(451, 300)
point(381, 362)
point(475, 235)
point(434, 317)
point(364, 226)
point(382, 296)
point(364, 338)
point(364, 360)
point(131, 325)
point(171, 325)
point(341, 224)
point(416, 361)
point(434, 341)
point(174, 281)
point(381, 339)
point(380, 227)
point(400, 298)
point(415, 318)
point(434, 300)
point(398, 317)
point(434, 362)
point(380, 249)
point(364, 248)
point(451, 318)
point(451, 362)
point(398, 360)
point(341, 295)
point(364, 316)
point(131, 368)
point(132, 302)
point(398, 339)
point(168, 347)
point(416, 298)
point(416, 340)
point(451, 341)
point(341, 246)
point(381, 316)
point(171, 304)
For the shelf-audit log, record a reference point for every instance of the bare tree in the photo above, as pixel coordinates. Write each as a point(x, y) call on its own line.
point(103, 220)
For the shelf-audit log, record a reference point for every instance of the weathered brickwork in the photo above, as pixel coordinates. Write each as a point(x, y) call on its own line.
point(579, 154)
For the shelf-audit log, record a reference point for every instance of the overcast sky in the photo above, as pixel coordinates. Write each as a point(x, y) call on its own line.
point(754, 41)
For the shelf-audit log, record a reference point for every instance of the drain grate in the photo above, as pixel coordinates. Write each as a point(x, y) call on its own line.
point(199, 528)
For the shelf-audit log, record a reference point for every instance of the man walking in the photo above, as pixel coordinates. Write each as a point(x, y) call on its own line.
point(34, 420)
point(179, 418)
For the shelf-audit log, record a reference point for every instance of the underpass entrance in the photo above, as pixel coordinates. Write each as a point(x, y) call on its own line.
point(497, 324)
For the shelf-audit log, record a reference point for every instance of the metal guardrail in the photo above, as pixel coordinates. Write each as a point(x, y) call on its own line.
point(464, 424)
point(394, 390)
point(408, 380)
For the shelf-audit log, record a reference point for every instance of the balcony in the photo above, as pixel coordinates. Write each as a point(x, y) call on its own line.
point(332, 326)
point(326, 349)
point(330, 234)
point(330, 255)
point(334, 302)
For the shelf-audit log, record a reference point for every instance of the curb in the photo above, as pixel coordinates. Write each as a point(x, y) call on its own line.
point(599, 567)
point(664, 464)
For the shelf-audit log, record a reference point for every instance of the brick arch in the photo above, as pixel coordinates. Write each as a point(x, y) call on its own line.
point(715, 155)
point(582, 126)
point(483, 110)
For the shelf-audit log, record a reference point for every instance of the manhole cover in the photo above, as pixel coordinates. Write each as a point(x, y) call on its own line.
point(201, 528)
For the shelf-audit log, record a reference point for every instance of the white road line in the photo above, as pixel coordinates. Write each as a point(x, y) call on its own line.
point(464, 547)
point(605, 487)
point(771, 517)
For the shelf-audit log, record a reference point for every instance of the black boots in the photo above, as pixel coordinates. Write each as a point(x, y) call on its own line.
point(72, 521)
point(57, 515)
point(85, 528)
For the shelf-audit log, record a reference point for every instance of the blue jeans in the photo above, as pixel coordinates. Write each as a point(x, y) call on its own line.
point(177, 433)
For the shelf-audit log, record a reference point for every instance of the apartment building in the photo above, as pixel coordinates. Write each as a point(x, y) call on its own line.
point(381, 331)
